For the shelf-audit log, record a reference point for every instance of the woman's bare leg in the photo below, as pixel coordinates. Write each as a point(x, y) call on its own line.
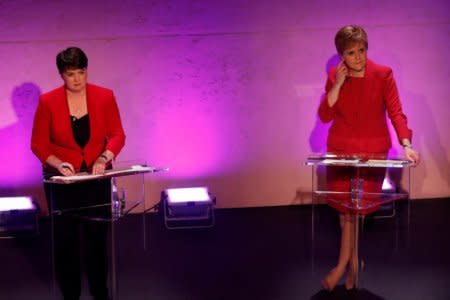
point(333, 277)
point(352, 274)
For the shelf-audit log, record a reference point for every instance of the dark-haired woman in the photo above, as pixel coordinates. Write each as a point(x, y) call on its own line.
point(77, 128)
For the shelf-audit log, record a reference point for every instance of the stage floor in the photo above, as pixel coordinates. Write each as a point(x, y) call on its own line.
point(255, 253)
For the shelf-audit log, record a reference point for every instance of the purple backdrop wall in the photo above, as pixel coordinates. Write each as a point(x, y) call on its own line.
point(224, 93)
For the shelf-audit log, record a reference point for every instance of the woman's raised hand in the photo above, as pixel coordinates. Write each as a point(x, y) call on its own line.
point(341, 72)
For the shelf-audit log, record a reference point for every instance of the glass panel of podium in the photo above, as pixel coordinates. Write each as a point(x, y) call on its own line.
point(125, 186)
point(355, 201)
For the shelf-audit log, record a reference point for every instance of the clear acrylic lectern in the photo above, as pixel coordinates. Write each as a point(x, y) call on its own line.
point(356, 202)
point(127, 196)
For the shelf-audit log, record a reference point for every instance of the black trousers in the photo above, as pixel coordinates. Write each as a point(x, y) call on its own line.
point(80, 232)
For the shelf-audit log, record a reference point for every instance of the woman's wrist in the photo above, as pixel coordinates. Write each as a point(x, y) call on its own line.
point(105, 157)
point(338, 84)
point(102, 159)
point(65, 168)
point(406, 143)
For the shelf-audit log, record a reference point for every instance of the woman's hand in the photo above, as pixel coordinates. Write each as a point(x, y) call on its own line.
point(66, 169)
point(412, 155)
point(341, 73)
point(99, 166)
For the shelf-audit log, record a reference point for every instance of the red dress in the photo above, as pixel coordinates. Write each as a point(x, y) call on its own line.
point(359, 125)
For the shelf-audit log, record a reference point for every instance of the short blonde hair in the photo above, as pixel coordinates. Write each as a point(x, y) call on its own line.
point(349, 35)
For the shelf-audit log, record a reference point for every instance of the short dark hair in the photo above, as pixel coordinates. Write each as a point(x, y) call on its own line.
point(71, 58)
point(349, 35)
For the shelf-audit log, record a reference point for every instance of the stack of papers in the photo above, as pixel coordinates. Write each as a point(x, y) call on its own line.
point(340, 161)
point(108, 173)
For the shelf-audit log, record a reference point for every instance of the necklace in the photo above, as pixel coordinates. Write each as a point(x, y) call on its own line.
point(77, 105)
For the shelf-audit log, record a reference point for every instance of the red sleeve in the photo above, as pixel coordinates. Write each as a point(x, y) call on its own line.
point(115, 133)
point(394, 108)
point(326, 113)
point(40, 136)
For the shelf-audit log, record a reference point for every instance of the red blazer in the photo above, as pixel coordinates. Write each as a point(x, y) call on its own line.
point(52, 129)
point(359, 115)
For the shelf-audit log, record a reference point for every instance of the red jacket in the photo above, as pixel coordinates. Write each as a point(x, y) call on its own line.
point(359, 115)
point(52, 128)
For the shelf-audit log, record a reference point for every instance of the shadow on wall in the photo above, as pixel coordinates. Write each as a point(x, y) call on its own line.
point(21, 170)
point(319, 133)
point(425, 133)
point(318, 138)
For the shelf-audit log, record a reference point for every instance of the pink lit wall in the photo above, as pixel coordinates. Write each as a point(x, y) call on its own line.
point(224, 93)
